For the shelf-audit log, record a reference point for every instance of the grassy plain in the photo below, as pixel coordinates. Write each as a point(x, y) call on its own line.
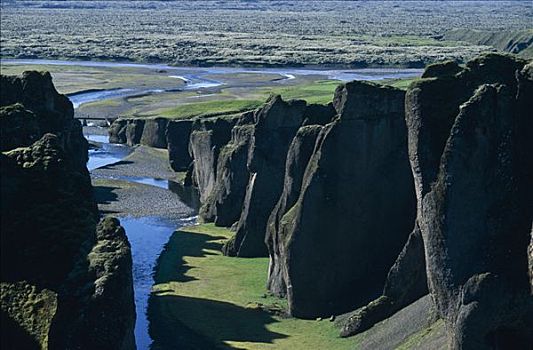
point(259, 33)
point(199, 293)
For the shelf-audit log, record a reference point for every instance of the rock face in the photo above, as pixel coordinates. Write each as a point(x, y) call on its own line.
point(30, 106)
point(298, 156)
point(208, 136)
point(134, 131)
point(276, 124)
point(356, 206)
point(406, 283)
point(223, 206)
point(58, 272)
point(471, 157)
point(178, 135)
point(154, 133)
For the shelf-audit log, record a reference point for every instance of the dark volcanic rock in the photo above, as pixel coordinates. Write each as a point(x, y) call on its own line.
point(134, 131)
point(53, 289)
point(356, 207)
point(207, 139)
point(154, 133)
point(298, 157)
point(470, 150)
point(449, 68)
point(63, 285)
point(224, 204)
point(276, 124)
point(178, 136)
point(30, 107)
point(117, 131)
point(19, 127)
point(406, 283)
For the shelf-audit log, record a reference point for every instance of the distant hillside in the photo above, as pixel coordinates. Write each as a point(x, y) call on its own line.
point(517, 42)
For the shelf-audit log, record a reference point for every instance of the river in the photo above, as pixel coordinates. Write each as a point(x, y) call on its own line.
point(196, 78)
point(148, 235)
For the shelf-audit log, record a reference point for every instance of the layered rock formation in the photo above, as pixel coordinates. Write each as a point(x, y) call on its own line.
point(298, 156)
point(59, 272)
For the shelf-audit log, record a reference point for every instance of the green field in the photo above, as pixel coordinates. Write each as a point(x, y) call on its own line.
point(202, 296)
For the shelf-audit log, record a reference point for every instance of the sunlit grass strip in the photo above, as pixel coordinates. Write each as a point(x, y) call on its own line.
point(223, 299)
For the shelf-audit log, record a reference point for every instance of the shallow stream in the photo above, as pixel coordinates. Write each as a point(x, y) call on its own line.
point(147, 235)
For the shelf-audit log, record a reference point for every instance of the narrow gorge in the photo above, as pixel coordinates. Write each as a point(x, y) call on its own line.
point(403, 218)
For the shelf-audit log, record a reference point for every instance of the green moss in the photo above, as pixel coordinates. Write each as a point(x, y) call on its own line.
point(224, 300)
point(208, 108)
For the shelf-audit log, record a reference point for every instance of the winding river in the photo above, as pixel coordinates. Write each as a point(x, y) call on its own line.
point(148, 235)
point(196, 78)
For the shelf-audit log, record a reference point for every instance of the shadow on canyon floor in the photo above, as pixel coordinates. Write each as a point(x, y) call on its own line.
point(174, 317)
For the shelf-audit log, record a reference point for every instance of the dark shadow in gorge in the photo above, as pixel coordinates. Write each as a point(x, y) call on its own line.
point(221, 320)
point(105, 194)
point(170, 265)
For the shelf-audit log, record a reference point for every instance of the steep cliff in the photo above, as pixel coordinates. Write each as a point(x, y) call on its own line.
point(276, 124)
point(58, 271)
point(208, 137)
point(178, 134)
point(224, 203)
point(470, 153)
point(298, 156)
point(356, 206)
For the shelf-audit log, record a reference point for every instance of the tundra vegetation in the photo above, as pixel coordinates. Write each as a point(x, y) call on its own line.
point(265, 33)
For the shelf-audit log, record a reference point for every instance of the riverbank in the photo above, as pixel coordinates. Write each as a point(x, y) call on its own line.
point(137, 186)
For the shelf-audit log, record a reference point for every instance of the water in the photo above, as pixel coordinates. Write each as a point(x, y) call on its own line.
point(147, 236)
point(106, 155)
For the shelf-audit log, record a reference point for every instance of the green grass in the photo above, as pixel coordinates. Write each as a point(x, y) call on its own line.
point(201, 294)
point(209, 107)
point(399, 83)
point(315, 92)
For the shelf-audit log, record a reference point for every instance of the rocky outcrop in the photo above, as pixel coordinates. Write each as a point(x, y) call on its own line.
point(356, 206)
point(276, 124)
point(208, 136)
point(178, 135)
point(58, 272)
point(224, 204)
point(470, 154)
point(30, 106)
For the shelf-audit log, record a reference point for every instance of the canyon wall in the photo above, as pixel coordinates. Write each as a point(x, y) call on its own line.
point(385, 192)
point(60, 269)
